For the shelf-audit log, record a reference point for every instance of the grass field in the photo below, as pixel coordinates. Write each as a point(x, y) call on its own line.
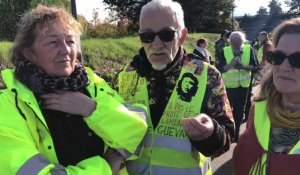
point(4, 51)
point(114, 53)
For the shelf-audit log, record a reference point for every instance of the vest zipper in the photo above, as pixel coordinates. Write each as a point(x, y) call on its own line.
point(20, 111)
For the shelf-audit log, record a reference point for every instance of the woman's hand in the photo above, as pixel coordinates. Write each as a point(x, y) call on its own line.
point(70, 102)
point(114, 159)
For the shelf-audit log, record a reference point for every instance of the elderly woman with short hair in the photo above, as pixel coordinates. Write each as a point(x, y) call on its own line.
point(57, 117)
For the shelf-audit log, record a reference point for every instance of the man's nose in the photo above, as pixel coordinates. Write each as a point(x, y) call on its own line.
point(157, 40)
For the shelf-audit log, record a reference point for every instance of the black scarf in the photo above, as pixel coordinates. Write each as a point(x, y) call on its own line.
point(42, 83)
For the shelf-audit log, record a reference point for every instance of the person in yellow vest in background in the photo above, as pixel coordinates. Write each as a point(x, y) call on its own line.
point(190, 115)
point(265, 46)
point(56, 116)
point(236, 64)
point(270, 145)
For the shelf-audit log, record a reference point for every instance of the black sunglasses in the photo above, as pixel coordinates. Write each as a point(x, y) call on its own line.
point(277, 58)
point(164, 36)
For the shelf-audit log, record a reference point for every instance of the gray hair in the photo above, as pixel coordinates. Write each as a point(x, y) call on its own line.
point(237, 35)
point(175, 7)
point(264, 33)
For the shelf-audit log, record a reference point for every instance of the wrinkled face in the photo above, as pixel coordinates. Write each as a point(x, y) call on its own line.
point(54, 50)
point(161, 53)
point(285, 77)
point(236, 43)
point(187, 84)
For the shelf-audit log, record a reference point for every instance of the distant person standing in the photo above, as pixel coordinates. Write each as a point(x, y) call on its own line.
point(201, 50)
point(255, 45)
point(236, 65)
point(265, 46)
point(220, 44)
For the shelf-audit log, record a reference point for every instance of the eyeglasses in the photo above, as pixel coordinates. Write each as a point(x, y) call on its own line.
point(164, 36)
point(277, 58)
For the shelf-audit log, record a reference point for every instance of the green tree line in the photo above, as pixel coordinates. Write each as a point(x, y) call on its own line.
point(200, 15)
point(12, 10)
point(266, 20)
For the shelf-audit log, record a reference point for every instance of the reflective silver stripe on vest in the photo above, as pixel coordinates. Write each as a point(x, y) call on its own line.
point(234, 79)
point(159, 170)
point(139, 148)
point(124, 153)
point(35, 164)
point(59, 170)
point(134, 167)
point(143, 169)
point(245, 78)
point(173, 143)
point(148, 141)
point(139, 110)
point(206, 166)
point(232, 71)
point(169, 142)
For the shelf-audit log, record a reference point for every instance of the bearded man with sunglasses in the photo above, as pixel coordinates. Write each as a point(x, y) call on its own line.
point(180, 130)
point(270, 144)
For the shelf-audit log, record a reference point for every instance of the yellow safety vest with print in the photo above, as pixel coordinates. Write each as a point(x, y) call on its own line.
point(26, 143)
point(234, 78)
point(262, 127)
point(167, 149)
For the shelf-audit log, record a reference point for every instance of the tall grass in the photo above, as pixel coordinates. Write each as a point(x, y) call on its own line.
point(4, 52)
point(114, 53)
point(109, 52)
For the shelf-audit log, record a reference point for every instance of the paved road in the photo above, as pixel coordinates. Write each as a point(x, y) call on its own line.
point(223, 165)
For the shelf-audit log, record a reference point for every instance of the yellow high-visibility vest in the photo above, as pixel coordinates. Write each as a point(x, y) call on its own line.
point(234, 78)
point(260, 54)
point(26, 142)
point(167, 149)
point(262, 127)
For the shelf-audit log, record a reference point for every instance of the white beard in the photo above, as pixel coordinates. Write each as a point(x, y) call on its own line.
point(159, 66)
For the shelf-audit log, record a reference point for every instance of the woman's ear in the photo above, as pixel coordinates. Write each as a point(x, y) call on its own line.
point(184, 33)
point(27, 53)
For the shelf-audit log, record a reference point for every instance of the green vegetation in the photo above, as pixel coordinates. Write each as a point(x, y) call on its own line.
point(4, 52)
point(116, 52)
point(108, 54)
point(206, 15)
